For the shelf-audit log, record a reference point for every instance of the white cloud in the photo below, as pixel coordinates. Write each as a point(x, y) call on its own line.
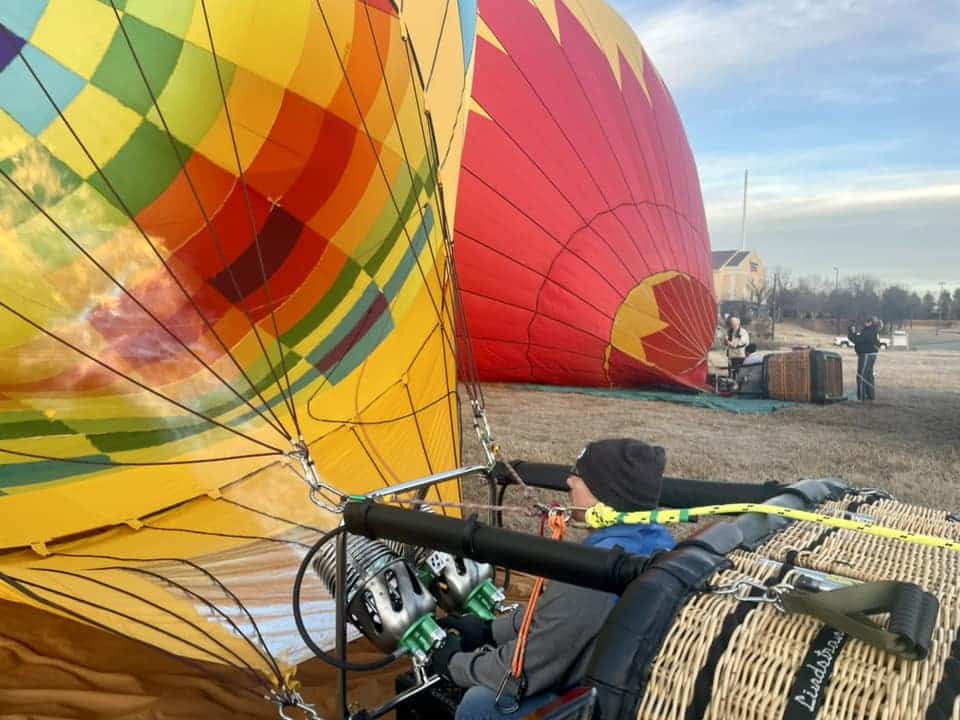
point(699, 43)
point(901, 226)
point(807, 182)
point(761, 71)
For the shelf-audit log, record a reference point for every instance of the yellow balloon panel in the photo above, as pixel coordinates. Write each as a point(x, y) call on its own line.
point(222, 233)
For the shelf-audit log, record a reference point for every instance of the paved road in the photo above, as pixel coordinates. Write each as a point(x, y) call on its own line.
point(932, 341)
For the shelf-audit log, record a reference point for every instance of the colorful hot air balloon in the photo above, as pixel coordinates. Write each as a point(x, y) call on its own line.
point(581, 242)
point(224, 251)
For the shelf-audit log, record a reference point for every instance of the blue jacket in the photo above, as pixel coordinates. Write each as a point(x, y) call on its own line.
point(635, 539)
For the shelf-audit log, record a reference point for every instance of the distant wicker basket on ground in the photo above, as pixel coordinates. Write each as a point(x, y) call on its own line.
point(811, 376)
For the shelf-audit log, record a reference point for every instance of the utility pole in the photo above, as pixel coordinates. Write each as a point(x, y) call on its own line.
point(743, 221)
point(836, 282)
point(776, 306)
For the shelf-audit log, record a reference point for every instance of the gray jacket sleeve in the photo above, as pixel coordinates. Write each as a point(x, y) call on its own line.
point(506, 627)
point(565, 625)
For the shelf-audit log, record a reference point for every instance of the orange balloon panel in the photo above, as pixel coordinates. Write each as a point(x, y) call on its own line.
point(581, 240)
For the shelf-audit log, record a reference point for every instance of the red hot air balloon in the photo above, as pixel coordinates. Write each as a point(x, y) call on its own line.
point(581, 241)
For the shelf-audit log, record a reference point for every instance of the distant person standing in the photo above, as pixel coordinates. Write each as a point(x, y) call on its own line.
point(736, 341)
point(866, 341)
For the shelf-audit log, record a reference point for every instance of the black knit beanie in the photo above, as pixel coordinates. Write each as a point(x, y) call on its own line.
point(625, 474)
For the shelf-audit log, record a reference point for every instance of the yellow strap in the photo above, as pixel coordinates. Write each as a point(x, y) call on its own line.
point(602, 516)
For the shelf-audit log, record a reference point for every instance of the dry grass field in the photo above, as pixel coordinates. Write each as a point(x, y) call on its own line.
point(907, 442)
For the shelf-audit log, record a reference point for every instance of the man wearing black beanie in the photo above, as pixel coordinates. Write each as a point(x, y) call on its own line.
point(625, 474)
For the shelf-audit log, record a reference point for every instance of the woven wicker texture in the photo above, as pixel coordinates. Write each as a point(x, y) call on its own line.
point(754, 675)
point(789, 376)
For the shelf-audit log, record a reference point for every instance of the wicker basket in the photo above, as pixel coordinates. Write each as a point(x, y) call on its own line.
point(728, 660)
point(804, 376)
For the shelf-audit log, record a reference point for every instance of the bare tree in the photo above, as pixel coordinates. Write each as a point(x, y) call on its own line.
point(758, 291)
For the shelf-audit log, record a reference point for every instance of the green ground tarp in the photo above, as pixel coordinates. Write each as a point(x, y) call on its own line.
point(738, 405)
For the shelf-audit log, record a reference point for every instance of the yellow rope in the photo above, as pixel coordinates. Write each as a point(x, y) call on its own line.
point(602, 516)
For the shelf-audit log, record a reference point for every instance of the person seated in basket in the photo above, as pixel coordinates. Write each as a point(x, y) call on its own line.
point(622, 473)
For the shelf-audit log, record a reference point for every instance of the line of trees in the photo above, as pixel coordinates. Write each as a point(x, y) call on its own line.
point(858, 296)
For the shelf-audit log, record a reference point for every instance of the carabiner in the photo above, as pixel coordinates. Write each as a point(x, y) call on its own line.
point(292, 699)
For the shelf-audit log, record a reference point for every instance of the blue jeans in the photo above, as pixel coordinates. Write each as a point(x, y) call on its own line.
point(866, 383)
point(480, 704)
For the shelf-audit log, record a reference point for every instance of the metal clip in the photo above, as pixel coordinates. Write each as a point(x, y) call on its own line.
point(745, 590)
point(513, 697)
point(287, 698)
point(318, 498)
point(321, 494)
point(482, 427)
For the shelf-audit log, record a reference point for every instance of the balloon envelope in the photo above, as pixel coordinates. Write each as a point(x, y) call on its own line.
point(581, 241)
point(224, 248)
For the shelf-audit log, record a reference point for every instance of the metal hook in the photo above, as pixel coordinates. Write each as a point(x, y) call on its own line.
point(318, 498)
point(743, 591)
point(325, 496)
point(292, 699)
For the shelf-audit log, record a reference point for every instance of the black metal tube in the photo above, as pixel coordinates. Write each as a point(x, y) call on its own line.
point(675, 492)
point(340, 600)
point(589, 567)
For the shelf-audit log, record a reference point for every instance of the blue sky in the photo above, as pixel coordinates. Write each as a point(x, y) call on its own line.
point(847, 114)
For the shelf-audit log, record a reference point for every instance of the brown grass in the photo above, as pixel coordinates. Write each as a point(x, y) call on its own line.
point(907, 442)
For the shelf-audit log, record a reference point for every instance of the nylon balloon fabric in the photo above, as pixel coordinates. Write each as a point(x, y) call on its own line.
point(581, 241)
point(224, 245)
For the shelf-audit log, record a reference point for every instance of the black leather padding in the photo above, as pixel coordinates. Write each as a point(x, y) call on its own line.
point(804, 495)
point(634, 633)
point(636, 628)
point(719, 538)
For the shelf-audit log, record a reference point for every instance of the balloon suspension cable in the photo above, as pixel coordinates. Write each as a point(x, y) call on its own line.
point(321, 494)
point(494, 452)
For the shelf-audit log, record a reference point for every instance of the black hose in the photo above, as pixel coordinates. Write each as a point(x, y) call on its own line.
point(305, 634)
point(500, 496)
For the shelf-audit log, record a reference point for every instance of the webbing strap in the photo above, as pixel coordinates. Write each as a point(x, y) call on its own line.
point(513, 685)
point(913, 613)
point(703, 685)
